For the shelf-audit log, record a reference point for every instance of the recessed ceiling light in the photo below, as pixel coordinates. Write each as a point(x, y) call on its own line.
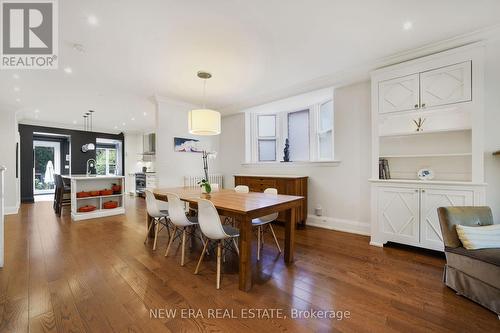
point(133, 119)
point(116, 127)
point(68, 70)
point(123, 124)
point(92, 20)
point(74, 122)
point(17, 89)
point(15, 76)
point(37, 111)
point(18, 100)
point(407, 25)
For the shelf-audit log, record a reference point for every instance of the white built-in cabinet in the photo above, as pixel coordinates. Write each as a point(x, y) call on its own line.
point(435, 87)
point(445, 90)
point(407, 213)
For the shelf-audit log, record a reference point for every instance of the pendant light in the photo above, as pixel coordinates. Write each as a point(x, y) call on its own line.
point(204, 121)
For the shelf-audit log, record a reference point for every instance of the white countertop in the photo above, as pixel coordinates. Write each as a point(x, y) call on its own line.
point(85, 177)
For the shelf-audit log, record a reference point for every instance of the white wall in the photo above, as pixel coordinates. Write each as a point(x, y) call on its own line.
point(492, 127)
point(8, 138)
point(133, 147)
point(342, 190)
point(171, 167)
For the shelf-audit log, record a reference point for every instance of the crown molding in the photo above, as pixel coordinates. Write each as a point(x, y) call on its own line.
point(361, 72)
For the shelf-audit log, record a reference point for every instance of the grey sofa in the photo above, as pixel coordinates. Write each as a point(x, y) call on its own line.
point(474, 274)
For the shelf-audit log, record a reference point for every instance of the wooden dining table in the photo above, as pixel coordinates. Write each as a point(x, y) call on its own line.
point(244, 207)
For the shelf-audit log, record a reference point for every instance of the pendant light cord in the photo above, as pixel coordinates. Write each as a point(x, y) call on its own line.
point(204, 92)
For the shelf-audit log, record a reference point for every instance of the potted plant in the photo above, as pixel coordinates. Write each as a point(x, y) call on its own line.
point(205, 186)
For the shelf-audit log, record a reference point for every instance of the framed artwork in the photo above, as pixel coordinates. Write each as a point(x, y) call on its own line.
point(184, 145)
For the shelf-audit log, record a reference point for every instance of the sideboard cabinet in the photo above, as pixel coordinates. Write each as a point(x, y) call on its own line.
point(290, 185)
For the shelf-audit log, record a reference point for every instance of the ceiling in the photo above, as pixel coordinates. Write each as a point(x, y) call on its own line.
point(256, 50)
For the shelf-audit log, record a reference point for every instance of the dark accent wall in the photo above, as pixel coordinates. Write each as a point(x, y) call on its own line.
point(78, 158)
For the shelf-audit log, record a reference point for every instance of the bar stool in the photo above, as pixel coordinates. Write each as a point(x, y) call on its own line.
point(214, 230)
point(59, 193)
point(159, 217)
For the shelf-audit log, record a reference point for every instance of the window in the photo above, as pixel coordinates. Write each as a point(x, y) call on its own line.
point(325, 131)
point(298, 135)
point(309, 132)
point(266, 138)
point(106, 161)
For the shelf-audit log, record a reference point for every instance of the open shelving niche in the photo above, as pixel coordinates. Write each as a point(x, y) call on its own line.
point(444, 143)
point(97, 201)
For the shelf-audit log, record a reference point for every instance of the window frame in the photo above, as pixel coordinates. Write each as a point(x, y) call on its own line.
point(107, 158)
point(252, 138)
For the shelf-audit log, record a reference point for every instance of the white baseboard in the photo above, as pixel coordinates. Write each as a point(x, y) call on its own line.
point(377, 244)
point(354, 227)
point(11, 210)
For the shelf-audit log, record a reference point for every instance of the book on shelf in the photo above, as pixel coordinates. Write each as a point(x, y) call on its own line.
point(383, 169)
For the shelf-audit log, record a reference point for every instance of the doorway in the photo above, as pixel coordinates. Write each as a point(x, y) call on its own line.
point(47, 162)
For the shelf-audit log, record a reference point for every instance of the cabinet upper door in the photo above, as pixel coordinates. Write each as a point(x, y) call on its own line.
point(446, 85)
point(400, 94)
point(398, 214)
point(431, 200)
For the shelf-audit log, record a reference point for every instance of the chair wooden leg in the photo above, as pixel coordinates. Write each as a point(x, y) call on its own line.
point(275, 239)
point(183, 250)
point(205, 245)
point(170, 241)
point(259, 234)
point(157, 228)
point(219, 250)
point(147, 233)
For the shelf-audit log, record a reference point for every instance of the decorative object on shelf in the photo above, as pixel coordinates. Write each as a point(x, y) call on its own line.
point(204, 121)
point(184, 145)
point(86, 209)
point(286, 151)
point(88, 147)
point(106, 192)
point(94, 193)
point(383, 169)
point(497, 153)
point(110, 205)
point(81, 195)
point(425, 174)
point(419, 124)
point(117, 188)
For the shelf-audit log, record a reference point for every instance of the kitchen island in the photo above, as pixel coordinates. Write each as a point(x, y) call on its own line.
point(96, 196)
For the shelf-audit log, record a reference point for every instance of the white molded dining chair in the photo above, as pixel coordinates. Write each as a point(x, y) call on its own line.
point(242, 189)
point(182, 223)
point(214, 230)
point(159, 217)
point(263, 221)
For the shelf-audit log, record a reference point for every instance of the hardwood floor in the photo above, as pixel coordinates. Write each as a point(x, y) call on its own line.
point(98, 276)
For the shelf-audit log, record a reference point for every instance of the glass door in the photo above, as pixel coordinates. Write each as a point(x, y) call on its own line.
point(47, 162)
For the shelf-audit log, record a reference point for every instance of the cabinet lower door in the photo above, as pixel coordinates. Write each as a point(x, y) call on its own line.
point(431, 200)
point(399, 214)
point(399, 94)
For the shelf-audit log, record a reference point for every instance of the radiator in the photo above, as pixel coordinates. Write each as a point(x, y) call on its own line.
point(192, 181)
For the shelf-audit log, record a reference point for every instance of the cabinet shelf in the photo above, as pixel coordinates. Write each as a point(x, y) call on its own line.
point(101, 196)
point(426, 155)
point(405, 134)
